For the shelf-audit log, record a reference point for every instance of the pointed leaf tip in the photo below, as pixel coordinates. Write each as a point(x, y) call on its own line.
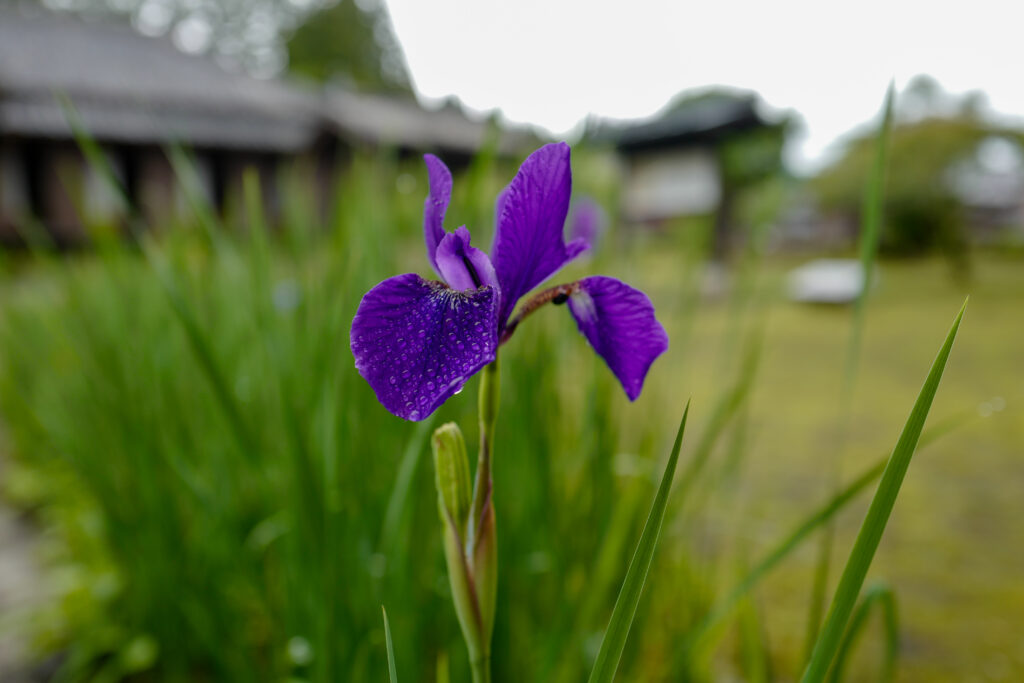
point(632, 586)
point(876, 519)
point(392, 669)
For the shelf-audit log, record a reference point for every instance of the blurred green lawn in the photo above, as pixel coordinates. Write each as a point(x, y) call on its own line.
point(954, 549)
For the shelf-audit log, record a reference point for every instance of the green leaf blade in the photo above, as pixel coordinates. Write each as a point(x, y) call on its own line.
point(879, 596)
point(793, 540)
point(392, 669)
point(876, 519)
point(614, 641)
point(870, 230)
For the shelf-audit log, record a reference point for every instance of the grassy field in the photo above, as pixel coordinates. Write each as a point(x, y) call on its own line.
point(952, 549)
point(224, 499)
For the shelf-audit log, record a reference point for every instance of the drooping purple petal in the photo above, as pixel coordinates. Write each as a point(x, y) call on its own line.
point(417, 342)
point(528, 242)
point(435, 205)
point(462, 266)
point(619, 323)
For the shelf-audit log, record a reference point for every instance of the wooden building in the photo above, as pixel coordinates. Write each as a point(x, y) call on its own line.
point(693, 158)
point(139, 97)
point(135, 96)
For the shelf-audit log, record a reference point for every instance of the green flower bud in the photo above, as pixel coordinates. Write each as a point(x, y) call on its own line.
point(451, 467)
point(454, 500)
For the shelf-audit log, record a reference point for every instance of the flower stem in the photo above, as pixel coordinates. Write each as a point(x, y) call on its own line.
point(481, 670)
point(557, 294)
point(488, 408)
point(481, 549)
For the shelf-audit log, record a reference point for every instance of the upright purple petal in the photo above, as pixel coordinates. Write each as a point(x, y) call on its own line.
point(462, 266)
point(435, 205)
point(587, 222)
point(528, 242)
point(417, 342)
point(619, 323)
point(499, 207)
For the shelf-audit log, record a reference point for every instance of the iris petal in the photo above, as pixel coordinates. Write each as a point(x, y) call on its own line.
point(462, 266)
point(417, 342)
point(528, 242)
point(587, 222)
point(435, 205)
point(619, 323)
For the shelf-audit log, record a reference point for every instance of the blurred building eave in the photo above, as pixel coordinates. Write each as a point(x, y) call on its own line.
point(130, 88)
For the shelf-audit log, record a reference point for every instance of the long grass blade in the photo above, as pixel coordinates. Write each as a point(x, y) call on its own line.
point(629, 596)
point(392, 669)
point(728, 407)
point(204, 354)
point(814, 521)
point(753, 647)
point(881, 597)
point(403, 483)
point(870, 230)
point(187, 173)
point(877, 517)
point(786, 546)
point(194, 332)
point(91, 150)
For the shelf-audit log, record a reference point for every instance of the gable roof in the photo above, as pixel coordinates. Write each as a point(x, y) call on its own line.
point(695, 121)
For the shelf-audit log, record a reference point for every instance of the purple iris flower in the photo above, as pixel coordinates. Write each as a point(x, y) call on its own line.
point(418, 341)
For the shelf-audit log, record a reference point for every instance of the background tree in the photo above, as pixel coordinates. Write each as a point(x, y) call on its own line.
point(936, 135)
point(327, 39)
point(351, 42)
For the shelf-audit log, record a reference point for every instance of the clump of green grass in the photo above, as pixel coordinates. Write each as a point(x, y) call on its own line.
point(230, 502)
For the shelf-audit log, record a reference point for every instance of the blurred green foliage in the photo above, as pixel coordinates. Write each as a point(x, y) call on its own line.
point(934, 135)
point(345, 42)
point(224, 499)
point(921, 211)
point(341, 40)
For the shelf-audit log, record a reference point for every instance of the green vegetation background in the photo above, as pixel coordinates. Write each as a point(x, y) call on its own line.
point(224, 499)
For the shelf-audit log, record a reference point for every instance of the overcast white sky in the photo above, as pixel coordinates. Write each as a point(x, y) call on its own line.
point(551, 62)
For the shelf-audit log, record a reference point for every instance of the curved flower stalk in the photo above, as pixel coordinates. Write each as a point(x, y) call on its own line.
point(418, 341)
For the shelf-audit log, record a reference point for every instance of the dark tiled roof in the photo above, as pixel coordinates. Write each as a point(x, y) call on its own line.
point(402, 122)
point(701, 120)
point(130, 88)
point(134, 89)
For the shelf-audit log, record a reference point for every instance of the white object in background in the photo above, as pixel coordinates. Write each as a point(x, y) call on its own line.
point(826, 281)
